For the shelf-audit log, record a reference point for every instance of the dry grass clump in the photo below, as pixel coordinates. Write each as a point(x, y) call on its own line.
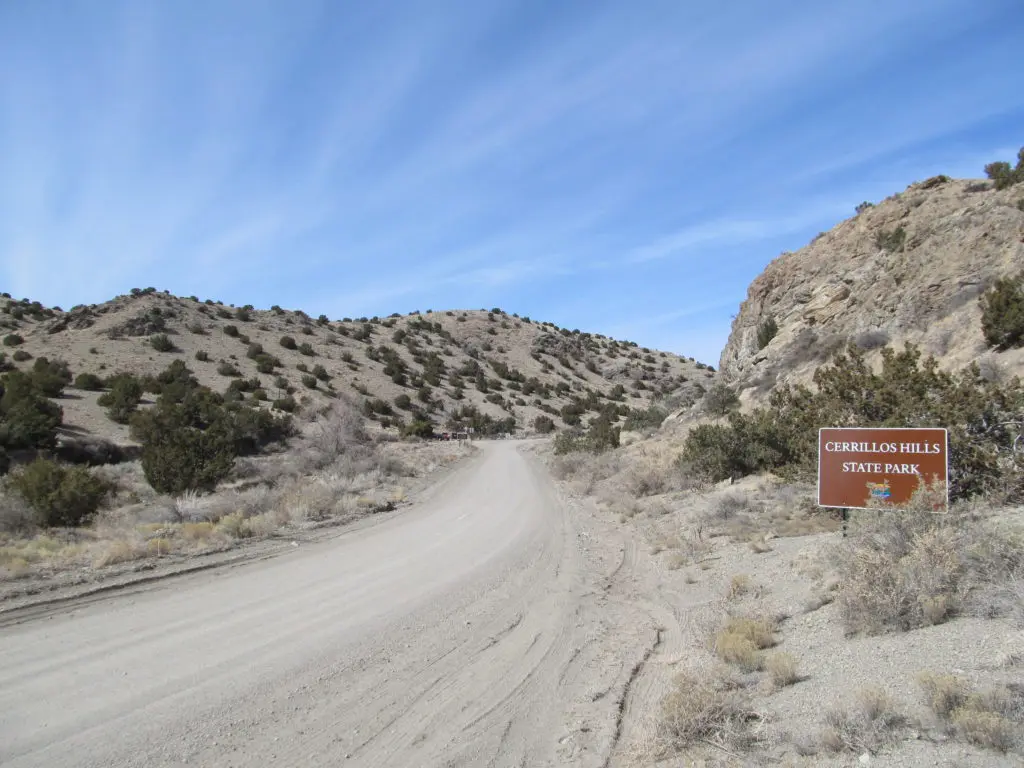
point(943, 693)
point(236, 526)
point(911, 568)
point(675, 561)
point(19, 554)
point(991, 719)
point(739, 585)
point(692, 546)
point(782, 669)
point(740, 640)
point(707, 707)
point(759, 547)
point(121, 551)
point(872, 723)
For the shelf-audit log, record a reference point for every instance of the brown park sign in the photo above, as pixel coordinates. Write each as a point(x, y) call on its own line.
point(860, 465)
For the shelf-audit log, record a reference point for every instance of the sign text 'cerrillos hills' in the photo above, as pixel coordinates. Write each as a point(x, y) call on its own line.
point(859, 465)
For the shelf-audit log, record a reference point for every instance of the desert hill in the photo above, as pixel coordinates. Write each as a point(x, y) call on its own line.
point(437, 366)
point(909, 269)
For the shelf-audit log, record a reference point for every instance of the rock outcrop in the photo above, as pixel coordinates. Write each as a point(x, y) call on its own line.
point(911, 268)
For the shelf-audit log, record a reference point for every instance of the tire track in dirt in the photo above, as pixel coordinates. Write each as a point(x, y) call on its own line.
point(495, 623)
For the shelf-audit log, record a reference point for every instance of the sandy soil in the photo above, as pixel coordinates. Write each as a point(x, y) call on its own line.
point(486, 625)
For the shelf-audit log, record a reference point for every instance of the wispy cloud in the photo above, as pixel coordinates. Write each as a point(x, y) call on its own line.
point(613, 161)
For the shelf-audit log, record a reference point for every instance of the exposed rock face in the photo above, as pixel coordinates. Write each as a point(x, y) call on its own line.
point(909, 269)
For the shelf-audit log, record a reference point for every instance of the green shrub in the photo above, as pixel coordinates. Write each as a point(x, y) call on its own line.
point(403, 401)
point(21, 355)
point(231, 330)
point(27, 418)
point(244, 313)
point(602, 435)
point(123, 397)
point(720, 400)
point(266, 363)
point(254, 351)
point(89, 382)
point(1004, 175)
point(50, 378)
point(59, 495)
point(306, 349)
point(12, 340)
point(176, 459)
point(1002, 313)
point(906, 392)
point(638, 420)
point(286, 404)
point(766, 331)
point(288, 342)
point(891, 240)
point(419, 428)
point(543, 425)
point(161, 342)
point(224, 368)
point(244, 385)
point(174, 382)
point(309, 381)
point(202, 356)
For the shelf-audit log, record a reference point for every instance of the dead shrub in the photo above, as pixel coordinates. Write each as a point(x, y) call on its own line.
point(707, 708)
point(988, 719)
point(868, 726)
point(332, 433)
point(729, 505)
point(311, 499)
point(567, 466)
point(910, 568)
point(15, 514)
point(990, 730)
point(645, 481)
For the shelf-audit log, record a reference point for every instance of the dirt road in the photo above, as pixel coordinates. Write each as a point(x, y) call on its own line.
point(485, 626)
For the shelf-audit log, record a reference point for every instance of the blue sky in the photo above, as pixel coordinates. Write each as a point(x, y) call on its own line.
point(622, 168)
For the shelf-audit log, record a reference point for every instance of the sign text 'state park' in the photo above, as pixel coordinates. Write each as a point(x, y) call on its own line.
point(858, 465)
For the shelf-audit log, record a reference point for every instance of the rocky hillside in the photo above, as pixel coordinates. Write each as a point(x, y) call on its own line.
point(431, 366)
point(910, 268)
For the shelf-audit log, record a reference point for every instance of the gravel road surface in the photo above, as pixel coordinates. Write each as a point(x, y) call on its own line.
point(491, 624)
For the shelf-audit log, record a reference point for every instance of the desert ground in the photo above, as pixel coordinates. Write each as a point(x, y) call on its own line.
point(505, 617)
